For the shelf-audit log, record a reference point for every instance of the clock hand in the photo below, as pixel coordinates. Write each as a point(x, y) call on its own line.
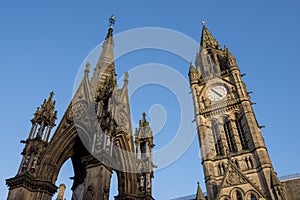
point(216, 93)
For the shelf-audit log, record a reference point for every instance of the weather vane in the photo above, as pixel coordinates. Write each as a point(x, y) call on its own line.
point(112, 21)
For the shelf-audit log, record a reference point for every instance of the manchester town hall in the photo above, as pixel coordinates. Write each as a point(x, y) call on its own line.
point(95, 132)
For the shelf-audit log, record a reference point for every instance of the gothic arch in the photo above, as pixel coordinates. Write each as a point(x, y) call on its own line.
point(58, 151)
point(224, 197)
point(237, 194)
point(217, 136)
point(127, 163)
point(250, 194)
point(66, 144)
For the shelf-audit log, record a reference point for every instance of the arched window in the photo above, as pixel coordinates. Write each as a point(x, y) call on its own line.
point(217, 138)
point(242, 133)
point(250, 163)
point(220, 169)
point(253, 197)
point(238, 195)
point(229, 135)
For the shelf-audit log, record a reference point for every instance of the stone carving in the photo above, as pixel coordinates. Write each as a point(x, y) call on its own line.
point(234, 178)
point(26, 162)
point(34, 163)
point(79, 109)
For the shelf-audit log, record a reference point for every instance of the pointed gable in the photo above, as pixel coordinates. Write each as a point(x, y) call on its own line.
point(235, 177)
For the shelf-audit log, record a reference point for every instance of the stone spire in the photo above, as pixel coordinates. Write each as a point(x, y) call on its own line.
point(199, 194)
point(105, 67)
point(208, 40)
point(144, 132)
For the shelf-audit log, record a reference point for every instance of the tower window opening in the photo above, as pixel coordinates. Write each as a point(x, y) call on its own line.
point(219, 169)
point(242, 134)
point(223, 168)
point(217, 138)
point(238, 195)
point(229, 136)
point(253, 197)
point(247, 163)
point(143, 148)
point(250, 163)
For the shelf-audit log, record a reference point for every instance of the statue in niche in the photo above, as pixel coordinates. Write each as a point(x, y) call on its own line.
point(26, 162)
point(148, 181)
point(108, 143)
point(34, 163)
point(142, 182)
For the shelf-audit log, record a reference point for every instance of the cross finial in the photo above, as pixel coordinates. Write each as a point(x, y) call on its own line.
point(51, 94)
point(203, 23)
point(112, 21)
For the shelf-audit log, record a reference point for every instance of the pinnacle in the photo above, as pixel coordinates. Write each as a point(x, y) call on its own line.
point(199, 194)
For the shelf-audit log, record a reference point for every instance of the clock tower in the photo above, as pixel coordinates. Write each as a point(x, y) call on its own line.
point(235, 159)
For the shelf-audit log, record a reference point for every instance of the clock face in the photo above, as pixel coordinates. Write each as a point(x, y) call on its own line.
point(217, 93)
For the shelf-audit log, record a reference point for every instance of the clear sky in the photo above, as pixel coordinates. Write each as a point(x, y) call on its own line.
point(43, 44)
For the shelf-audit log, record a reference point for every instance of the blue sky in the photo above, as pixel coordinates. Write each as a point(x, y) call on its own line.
point(43, 44)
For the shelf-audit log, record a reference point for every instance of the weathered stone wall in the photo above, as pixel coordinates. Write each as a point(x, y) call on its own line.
point(292, 188)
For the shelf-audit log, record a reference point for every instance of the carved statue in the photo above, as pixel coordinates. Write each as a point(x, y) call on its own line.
point(148, 181)
point(107, 143)
point(34, 163)
point(142, 181)
point(26, 162)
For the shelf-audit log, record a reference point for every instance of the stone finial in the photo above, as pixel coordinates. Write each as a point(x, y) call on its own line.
point(126, 77)
point(87, 69)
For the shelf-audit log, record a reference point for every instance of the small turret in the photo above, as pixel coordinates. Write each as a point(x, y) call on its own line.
point(144, 139)
point(42, 123)
point(144, 146)
point(193, 74)
point(199, 194)
point(44, 119)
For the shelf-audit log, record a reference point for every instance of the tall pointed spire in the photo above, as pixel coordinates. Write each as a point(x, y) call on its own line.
point(107, 54)
point(208, 40)
point(105, 65)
